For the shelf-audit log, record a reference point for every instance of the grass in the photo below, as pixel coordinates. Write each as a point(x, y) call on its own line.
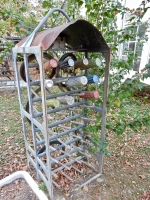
point(126, 171)
point(10, 116)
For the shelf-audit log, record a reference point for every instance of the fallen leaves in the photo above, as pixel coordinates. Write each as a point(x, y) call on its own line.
point(24, 168)
point(128, 163)
point(13, 157)
point(121, 153)
point(146, 196)
point(6, 129)
point(18, 189)
point(85, 188)
point(142, 176)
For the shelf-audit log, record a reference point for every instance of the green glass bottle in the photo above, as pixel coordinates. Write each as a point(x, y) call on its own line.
point(54, 103)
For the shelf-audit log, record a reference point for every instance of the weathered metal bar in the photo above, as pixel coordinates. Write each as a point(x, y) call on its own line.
point(65, 127)
point(61, 134)
point(56, 161)
point(33, 92)
point(72, 158)
point(74, 109)
point(30, 105)
point(80, 138)
point(36, 123)
point(89, 165)
point(33, 65)
point(30, 38)
point(35, 83)
point(63, 113)
point(58, 147)
point(63, 143)
point(38, 137)
point(64, 152)
point(97, 109)
point(52, 96)
point(69, 163)
point(85, 118)
point(20, 102)
point(104, 109)
point(67, 132)
point(75, 122)
point(45, 123)
point(91, 179)
point(64, 121)
point(80, 150)
point(60, 122)
point(40, 114)
point(70, 179)
point(64, 156)
point(77, 168)
point(56, 184)
point(39, 171)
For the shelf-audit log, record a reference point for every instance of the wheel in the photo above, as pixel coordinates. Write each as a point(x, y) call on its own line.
point(61, 71)
point(57, 149)
point(53, 143)
point(64, 71)
point(32, 96)
point(34, 72)
point(5, 72)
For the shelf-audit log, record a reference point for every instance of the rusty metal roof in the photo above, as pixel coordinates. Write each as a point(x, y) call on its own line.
point(79, 34)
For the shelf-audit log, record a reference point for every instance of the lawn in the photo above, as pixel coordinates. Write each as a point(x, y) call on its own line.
point(126, 172)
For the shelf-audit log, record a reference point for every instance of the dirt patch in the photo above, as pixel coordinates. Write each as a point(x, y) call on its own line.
point(146, 196)
point(17, 190)
point(126, 174)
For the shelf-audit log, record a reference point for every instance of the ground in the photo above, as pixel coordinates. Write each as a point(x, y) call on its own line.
point(126, 172)
point(18, 190)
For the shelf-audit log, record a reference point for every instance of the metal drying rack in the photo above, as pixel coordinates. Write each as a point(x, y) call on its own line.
point(54, 109)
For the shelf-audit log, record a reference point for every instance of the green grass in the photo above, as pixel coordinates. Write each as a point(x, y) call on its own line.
point(11, 124)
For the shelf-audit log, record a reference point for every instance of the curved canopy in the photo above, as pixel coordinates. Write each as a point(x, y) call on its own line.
point(79, 34)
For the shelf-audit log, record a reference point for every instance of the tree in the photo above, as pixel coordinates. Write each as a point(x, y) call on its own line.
point(17, 18)
point(21, 17)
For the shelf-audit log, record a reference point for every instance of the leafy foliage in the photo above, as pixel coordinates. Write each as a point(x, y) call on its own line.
point(15, 14)
point(43, 187)
point(20, 17)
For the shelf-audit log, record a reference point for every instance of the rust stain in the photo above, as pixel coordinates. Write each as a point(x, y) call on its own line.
point(79, 34)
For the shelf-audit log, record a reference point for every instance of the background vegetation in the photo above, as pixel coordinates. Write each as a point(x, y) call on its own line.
point(128, 101)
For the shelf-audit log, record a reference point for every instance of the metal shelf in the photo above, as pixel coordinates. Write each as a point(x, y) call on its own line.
point(54, 136)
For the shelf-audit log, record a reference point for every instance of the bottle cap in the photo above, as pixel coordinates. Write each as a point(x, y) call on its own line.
point(71, 62)
point(81, 80)
point(49, 83)
point(53, 62)
point(95, 79)
point(69, 100)
point(53, 103)
point(85, 61)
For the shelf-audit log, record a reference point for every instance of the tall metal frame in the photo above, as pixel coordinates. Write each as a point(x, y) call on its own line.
point(68, 120)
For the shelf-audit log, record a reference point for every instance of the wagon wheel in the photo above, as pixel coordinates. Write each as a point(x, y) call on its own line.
point(34, 72)
point(5, 71)
point(32, 96)
point(54, 143)
point(64, 72)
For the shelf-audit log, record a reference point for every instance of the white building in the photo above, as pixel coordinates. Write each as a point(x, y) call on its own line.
point(144, 55)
